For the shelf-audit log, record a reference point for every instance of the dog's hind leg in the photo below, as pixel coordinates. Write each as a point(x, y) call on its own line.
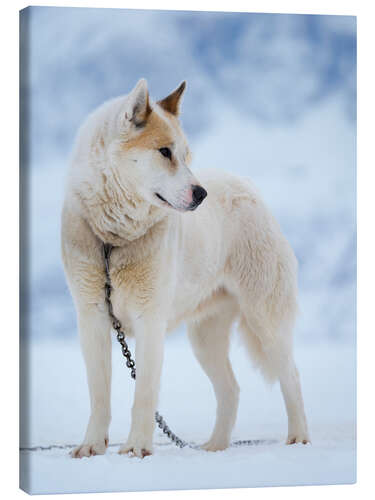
point(94, 329)
point(210, 342)
point(291, 390)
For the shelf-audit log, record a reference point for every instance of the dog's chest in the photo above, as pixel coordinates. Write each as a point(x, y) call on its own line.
point(133, 284)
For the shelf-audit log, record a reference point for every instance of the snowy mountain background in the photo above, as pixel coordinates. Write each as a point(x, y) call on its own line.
point(271, 97)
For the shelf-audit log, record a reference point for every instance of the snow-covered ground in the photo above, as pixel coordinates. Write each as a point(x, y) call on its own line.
point(60, 407)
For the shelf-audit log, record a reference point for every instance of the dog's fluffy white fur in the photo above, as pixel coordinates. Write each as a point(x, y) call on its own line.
point(128, 185)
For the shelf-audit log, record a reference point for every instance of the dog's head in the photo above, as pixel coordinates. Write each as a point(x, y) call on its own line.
point(152, 154)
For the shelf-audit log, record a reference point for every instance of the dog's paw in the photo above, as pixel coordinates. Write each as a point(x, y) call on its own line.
point(89, 449)
point(140, 450)
point(298, 438)
point(215, 445)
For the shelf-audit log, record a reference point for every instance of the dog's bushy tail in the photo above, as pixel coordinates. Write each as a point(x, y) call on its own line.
point(268, 337)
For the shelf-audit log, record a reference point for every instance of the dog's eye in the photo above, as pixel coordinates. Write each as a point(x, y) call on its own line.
point(166, 152)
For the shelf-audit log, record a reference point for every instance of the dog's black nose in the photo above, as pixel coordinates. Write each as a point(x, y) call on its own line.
point(199, 194)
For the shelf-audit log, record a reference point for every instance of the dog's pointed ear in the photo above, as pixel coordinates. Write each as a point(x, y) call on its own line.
point(171, 103)
point(139, 104)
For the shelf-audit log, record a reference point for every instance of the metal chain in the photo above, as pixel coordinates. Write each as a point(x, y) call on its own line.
point(130, 363)
point(241, 442)
point(69, 446)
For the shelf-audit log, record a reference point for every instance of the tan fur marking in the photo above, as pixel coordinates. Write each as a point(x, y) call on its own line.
point(138, 278)
point(156, 134)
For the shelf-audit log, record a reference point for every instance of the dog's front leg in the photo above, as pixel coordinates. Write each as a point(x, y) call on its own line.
point(149, 332)
point(94, 330)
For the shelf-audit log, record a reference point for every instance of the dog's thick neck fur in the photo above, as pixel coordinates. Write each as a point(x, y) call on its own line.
point(116, 213)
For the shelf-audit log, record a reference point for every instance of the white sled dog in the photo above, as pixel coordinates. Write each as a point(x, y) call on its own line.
point(129, 185)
